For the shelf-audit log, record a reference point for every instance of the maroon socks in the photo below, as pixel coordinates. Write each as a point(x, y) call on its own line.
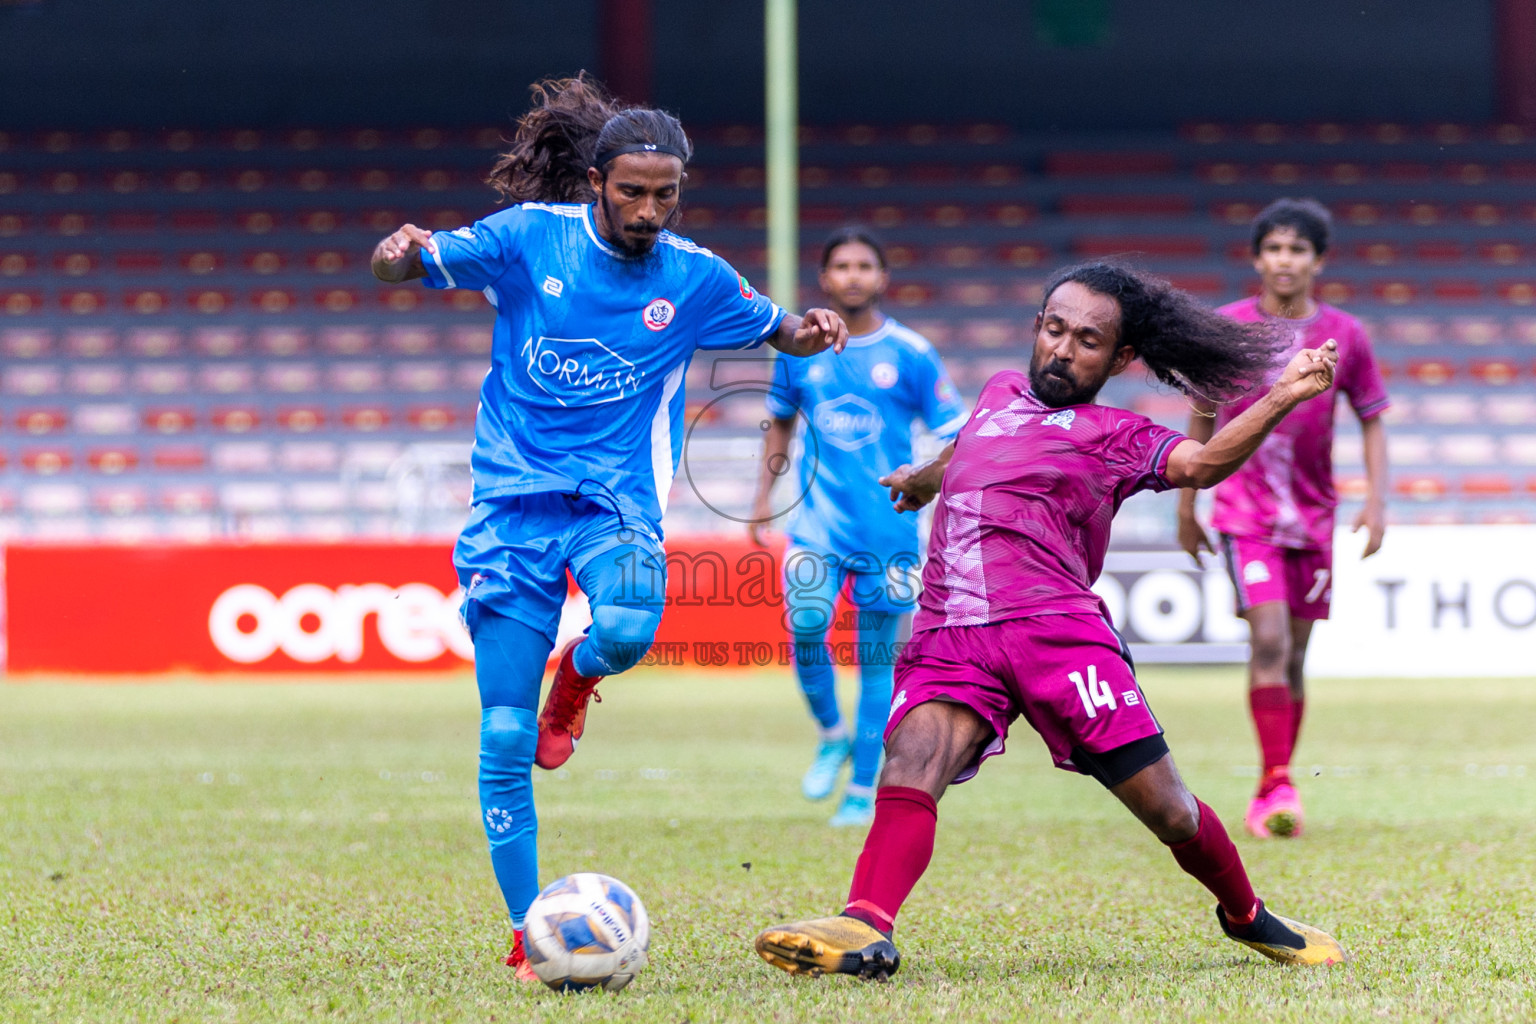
point(1212, 858)
point(1274, 720)
point(896, 853)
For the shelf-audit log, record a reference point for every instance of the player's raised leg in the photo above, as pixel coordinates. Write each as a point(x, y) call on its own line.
point(811, 583)
point(1200, 844)
point(932, 744)
point(618, 562)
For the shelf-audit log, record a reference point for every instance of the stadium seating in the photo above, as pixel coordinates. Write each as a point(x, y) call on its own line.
point(192, 344)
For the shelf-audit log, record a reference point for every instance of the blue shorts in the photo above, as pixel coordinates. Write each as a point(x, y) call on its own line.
point(513, 554)
point(814, 577)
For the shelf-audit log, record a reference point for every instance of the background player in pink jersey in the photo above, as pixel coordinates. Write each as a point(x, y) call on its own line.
point(1007, 623)
point(1275, 514)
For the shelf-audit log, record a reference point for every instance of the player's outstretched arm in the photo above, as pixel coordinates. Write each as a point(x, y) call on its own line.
point(912, 487)
point(817, 331)
point(775, 464)
point(1308, 375)
point(398, 257)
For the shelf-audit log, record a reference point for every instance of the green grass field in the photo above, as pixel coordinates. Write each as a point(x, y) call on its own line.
point(248, 851)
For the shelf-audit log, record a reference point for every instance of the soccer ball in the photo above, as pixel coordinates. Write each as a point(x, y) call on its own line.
point(586, 931)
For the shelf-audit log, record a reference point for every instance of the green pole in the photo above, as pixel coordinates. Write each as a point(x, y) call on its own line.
point(782, 118)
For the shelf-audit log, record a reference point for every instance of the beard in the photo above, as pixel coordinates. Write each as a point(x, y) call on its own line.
point(636, 240)
point(1053, 385)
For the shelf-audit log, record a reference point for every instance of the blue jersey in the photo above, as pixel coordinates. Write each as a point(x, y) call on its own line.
point(858, 409)
point(585, 393)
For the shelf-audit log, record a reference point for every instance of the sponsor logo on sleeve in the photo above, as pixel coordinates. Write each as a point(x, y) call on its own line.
point(746, 289)
point(658, 315)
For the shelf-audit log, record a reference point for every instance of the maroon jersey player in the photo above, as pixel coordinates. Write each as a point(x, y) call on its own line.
point(1274, 516)
point(1008, 624)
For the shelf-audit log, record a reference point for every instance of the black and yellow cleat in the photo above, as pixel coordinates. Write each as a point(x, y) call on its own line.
point(1286, 941)
point(830, 945)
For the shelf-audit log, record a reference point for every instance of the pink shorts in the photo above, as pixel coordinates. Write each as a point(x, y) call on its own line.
point(1068, 675)
point(1301, 577)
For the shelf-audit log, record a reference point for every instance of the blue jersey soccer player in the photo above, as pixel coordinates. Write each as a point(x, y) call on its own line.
point(599, 309)
point(858, 410)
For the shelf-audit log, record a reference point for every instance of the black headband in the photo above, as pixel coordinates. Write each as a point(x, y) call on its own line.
point(601, 160)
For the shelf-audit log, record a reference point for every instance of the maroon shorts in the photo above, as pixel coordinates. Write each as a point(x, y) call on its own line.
point(1070, 676)
point(1301, 577)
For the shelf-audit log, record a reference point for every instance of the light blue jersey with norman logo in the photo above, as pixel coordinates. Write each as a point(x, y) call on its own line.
point(858, 409)
point(585, 393)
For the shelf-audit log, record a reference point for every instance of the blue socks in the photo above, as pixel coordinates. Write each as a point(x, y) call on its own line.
point(818, 681)
point(877, 642)
point(507, 738)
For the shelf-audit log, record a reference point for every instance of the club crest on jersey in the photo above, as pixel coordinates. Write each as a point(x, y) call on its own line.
point(883, 375)
point(658, 315)
point(1062, 419)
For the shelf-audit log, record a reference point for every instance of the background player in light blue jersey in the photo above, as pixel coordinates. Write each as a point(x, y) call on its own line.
point(599, 309)
point(857, 411)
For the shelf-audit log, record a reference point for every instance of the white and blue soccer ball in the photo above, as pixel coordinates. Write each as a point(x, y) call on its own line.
point(586, 931)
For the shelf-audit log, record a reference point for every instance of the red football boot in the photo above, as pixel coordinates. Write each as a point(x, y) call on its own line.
point(518, 959)
point(564, 717)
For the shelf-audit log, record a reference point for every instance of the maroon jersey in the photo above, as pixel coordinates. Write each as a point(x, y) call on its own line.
point(1022, 521)
point(1283, 495)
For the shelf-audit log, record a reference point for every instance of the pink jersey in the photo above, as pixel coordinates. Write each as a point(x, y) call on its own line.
point(1283, 495)
point(1022, 521)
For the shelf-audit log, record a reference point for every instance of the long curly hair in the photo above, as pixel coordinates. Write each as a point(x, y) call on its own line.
point(571, 121)
point(1188, 347)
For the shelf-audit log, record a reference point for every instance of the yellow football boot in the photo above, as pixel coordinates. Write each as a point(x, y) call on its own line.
point(1286, 941)
point(830, 945)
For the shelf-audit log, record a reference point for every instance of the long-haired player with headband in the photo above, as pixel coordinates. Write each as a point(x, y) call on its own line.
point(1008, 624)
point(599, 309)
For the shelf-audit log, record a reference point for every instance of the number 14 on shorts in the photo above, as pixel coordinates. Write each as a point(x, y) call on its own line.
point(1095, 692)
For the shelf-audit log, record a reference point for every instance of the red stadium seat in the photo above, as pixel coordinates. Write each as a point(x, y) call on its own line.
point(1434, 372)
point(1283, 172)
point(897, 257)
point(311, 179)
point(337, 300)
point(946, 215)
point(290, 378)
point(304, 139)
point(17, 303)
point(75, 264)
point(1336, 291)
point(1441, 251)
point(470, 340)
point(1134, 205)
point(1407, 172)
point(242, 457)
point(322, 222)
point(405, 300)
point(196, 220)
point(1207, 286)
point(1361, 214)
point(931, 175)
point(1455, 409)
point(1011, 215)
point(995, 175)
point(1497, 372)
point(37, 421)
point(263, 261)
point(210, 301)
point(170, 420)
point(365, 418)
point(282, 341)
point(411, 340)
point(16, 264)
point(300, 419)
point(1378, 253)
point(24, 343)
point(1517, 293)
point(1504, 253)
point(47, 461)
point(1023, 254)
point(911, 293)
point(1171, 247)
point(1235, 212)
point(83, 302)
point(1220, 173)
point(1487, 485)
point(1346, 172)
point(419, 376)
point(431, 418)
point(959, 256)
point(867, 176)
point(138, 261)
point(1099, 164)
point(112, 460)
point(235, 419)
point(1423, 214)
point(380, 222)
point(14, 224)
point(180, 140)
point(1462, 290)
point(1395, 292)
point(1483, 214)
point(1420, 486)
point(1351, 486)
point(885, 216)
point(1468, 173)
point(991, 334)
